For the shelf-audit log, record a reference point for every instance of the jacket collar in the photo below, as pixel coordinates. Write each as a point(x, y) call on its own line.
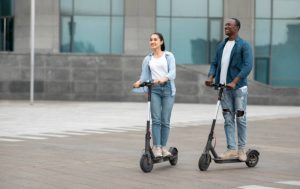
point(167, 53)
point(236, 39)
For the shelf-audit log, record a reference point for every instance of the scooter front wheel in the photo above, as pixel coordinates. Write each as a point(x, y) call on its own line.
point(204, 161)
point(146, 163)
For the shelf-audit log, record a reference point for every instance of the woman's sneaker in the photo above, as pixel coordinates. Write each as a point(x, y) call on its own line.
point(229, 154)
point(157, 152)
point(165, 152)
point(242, 155)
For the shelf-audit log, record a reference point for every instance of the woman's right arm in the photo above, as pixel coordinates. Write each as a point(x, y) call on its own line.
point(144, 73)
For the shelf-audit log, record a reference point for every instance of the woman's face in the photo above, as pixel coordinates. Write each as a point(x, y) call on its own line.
point(155, 42)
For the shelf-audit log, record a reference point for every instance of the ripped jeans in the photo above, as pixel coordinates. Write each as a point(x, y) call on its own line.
point(234, 103)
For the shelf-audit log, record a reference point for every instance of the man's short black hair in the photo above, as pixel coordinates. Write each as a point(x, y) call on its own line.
point(237, 22)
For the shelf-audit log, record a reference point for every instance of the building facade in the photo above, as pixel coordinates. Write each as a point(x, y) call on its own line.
point(92, 49)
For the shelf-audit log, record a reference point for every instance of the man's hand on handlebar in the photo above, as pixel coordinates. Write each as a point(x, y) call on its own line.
point(209, 81)
point(230, 85)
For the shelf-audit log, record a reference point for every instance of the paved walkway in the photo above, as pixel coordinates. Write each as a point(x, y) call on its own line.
point(19, 120)
point(96, 145)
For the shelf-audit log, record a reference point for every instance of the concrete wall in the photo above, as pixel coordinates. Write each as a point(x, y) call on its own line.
point(110, 78)
point(244, 10)
point(22, 26)
point(46, 26)
point(139, 24)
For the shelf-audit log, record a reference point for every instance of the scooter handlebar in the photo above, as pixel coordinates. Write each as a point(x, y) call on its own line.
point(147, 84)
point(218, 86)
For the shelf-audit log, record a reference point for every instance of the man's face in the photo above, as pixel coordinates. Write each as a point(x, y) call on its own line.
point(230, 27)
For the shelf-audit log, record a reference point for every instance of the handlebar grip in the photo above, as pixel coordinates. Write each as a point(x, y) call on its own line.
point(147, 84)
point(218, 85)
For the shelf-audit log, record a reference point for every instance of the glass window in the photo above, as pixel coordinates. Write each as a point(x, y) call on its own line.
point(117, 35)
point(65, 41)
point(189, 40)
point(190, 8)
point(286, 9)
point(6, 25)
point(277, 42)
point(262, 39)
point(92, 7)
point(118, 7)
point(97, 39)
point(285, 53)
point(263, 9)
point(7, 7)
point(2, 34)
point(163, 8)
point(163, 26)
point(94, 26)
point(216, 35)
point(66, 7)
point(216, 8)
point(262, 70)
point(188, 30)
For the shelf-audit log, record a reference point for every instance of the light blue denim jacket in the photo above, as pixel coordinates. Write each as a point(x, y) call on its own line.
point(146, 72)
point(240, 63)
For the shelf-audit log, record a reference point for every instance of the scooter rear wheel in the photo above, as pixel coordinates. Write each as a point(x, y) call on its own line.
point(252, 159)
point(204, 161)
point(146, 163)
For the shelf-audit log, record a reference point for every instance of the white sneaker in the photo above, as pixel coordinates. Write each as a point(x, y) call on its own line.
point(157, 152)
point(165, 152)
point(229, 154)
point(242, 155)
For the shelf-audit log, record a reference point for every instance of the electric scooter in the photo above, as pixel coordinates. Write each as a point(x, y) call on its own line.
point(148, 159)
point(205, 159)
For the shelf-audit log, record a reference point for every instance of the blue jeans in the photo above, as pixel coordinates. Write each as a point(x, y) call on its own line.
point(234, 103)
point(161, 107)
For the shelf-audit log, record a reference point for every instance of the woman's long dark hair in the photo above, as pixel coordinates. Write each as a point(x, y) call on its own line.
point(160, 36)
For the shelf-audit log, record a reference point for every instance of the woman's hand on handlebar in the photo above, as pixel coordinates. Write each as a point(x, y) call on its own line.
point(156, 81)
point(137, 84)
point(160, 81)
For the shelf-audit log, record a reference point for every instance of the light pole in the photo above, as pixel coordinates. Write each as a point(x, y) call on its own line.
point(32, 36)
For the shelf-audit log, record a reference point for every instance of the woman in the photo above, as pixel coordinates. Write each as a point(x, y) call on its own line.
point(159, 67)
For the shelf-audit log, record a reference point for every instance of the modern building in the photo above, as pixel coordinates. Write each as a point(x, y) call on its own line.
point(93, 49)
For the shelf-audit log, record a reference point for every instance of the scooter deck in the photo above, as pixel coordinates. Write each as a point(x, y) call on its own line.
point(162, 159)
point(233, 160)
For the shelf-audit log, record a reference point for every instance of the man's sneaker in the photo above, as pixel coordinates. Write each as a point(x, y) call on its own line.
point(242, 155)
point(165, 152)
point(229, 154)
point(157, 151)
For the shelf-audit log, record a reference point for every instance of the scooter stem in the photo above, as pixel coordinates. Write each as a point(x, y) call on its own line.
point(148, 135)
point(149, 103)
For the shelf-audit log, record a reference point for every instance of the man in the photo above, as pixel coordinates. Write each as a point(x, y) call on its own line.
point(232, 65)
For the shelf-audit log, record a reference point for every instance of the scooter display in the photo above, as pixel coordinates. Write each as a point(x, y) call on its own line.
point(205, 159)
point(148, 159)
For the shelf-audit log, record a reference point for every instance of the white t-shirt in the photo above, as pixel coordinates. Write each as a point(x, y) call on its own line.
point(225, 60)
point(158, 67)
